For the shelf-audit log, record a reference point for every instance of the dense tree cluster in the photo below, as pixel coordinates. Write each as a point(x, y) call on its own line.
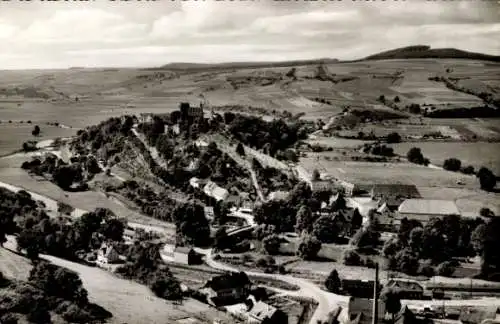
point(145, 266)
point(440, 240)
point(272, 179)
point(378, 149)
point(271, 136)
point(16, 205)
point(191, 224)
point(68, 176)
point(65, 239)
point(452, 164)
point(415, 155)
point(49, 289)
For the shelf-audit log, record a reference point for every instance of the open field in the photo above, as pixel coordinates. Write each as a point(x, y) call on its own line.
point(369, 173)
point(13, 265)
point(12, 136)
point(131, 302)
point(476, 154)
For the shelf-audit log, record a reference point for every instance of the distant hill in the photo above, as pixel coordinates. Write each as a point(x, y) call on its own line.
point(243, 65)
point(424, 51)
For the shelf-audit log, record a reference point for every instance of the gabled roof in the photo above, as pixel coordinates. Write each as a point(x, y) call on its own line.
point(261, 310)
point(213, 190)
point(406, 285)
point(428, 206)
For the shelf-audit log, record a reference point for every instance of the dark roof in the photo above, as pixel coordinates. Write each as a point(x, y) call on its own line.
point(395, 191)
point(228, 281)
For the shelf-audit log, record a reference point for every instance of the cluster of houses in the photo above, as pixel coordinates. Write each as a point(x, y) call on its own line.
point(233, 292)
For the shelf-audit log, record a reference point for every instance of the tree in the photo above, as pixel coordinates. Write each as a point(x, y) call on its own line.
point(36, 130)
point(63, 208)
point(240, 149)
point(356, 221)
point(315, 175)
point(416, 238)
point(381, 98)
point(491, 242)
point(487, 179)
point(407, 261)
point(305, 219)
point(351, 258)
point(452, 164)
point(445, 269)
point(366, 237)
point(396, 99)
point(220, 238)
point(393, 138)
point(309, 247)
point(326, 229)
point(113, 229)
point(392, 300)
point(271, 244)
point(166, 286)
point(486, 212)
point(468, 169)
point(415, 155)
point(332, 282)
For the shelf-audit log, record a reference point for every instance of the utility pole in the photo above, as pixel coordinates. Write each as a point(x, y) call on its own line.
point(375, 297)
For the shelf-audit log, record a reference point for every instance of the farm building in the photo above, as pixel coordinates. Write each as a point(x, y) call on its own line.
point(227, 289)
point(107, 254)
point(259, 312)
point(424, 209)
point(358, 288)
point(211, 189)
point(277, 195)
point(321, 185)
point(178, 254)
point(393, 194)
point(409, 289)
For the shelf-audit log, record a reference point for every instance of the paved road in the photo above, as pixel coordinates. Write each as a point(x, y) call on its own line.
point(327, 302)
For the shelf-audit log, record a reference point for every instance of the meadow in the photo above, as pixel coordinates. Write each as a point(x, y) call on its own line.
point(477, 154)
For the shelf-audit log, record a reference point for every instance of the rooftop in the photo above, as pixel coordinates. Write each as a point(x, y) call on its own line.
point(428, 206)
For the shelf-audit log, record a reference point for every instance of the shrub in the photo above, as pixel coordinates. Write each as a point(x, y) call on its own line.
point(352, 258)
point(426, 269)
point(487, 179)
point(332, 282)
point(452, 164)
point(369, 263)
point(393, 138)
point(271, 244)
point(445, 269)
point(468, 170)
point(75, 314)
point(309, 247)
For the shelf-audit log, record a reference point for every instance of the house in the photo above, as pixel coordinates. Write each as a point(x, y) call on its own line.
point(259, 312)
point(424, 209)
point(409, 289)
point(360, 312)
point(392, 195)
point(227, 289)
point(358, 288)
point(348, 187)
point(146, 118)
point(211, 189)
point(321, 185)
point(107, 254)
point(278, 195)
point(193, 165)
point(129, 235)
point(178, 254)
point(196, 182)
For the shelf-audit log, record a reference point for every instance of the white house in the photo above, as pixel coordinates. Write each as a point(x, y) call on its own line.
point(211, 189)
point(107, 254)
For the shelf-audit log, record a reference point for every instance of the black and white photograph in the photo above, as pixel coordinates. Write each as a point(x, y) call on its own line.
point(249, 161)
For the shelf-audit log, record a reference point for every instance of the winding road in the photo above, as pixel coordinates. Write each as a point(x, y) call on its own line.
point(327, 302)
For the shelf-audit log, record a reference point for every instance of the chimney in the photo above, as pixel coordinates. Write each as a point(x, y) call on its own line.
point(375, 297)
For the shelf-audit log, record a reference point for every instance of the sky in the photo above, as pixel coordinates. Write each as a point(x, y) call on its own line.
point(134, 33)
